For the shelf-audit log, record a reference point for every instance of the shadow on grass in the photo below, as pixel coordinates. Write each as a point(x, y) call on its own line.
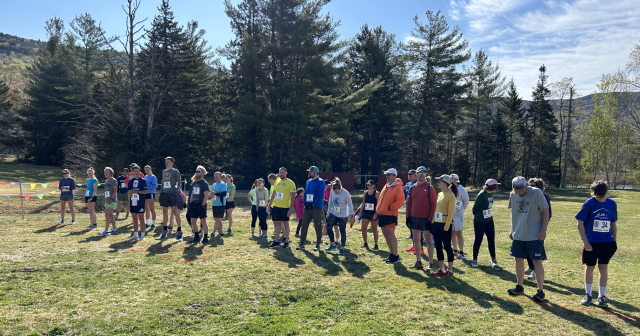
point(624, 306)
point(91, 239)
point(568, 290)
point(286, 255)
point(351, 263)
point(330, 267)
point(123, 245)
point(47, 229)
point(158, 248)
point(597, 326)
point(193, 251)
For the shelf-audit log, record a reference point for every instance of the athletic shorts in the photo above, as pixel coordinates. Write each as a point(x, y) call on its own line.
point(458, 223)
point(601, 253)
point(196, 210)
point(150, 196)
point(136, 209)
point(387, 221)
point(181, 205)
point(168, 200)
point(367, 216)
point(93, 199)
point(522, 249)
point(66, 198)
point(279, 214)
point(113, 205)
point(218, 211)
point(123, 197)
point(422, 224)
point(230, 205)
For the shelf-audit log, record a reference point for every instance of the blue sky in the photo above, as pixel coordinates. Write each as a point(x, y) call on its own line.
point(575, 38)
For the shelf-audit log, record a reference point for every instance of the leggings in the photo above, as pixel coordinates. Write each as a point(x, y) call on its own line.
point(299, 226)
point(254, 215)
point(262, 217)
point(342, 225)
point(442, 239)
point(482, 229)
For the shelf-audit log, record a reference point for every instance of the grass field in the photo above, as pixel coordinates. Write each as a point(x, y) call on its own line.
point(63, 280)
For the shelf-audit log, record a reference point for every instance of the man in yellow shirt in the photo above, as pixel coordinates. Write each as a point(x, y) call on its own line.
point(281, 206)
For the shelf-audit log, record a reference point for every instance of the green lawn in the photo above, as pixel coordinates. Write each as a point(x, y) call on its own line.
point(66, 281)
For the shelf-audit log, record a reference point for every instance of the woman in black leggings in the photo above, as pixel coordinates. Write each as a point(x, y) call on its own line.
point(483, 222)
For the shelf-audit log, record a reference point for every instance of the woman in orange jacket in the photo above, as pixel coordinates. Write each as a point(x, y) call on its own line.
point(391, 199)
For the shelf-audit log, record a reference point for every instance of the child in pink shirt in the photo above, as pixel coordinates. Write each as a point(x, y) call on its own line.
point(299, 208)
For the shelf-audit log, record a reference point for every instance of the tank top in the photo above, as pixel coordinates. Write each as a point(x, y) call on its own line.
point(370, 202)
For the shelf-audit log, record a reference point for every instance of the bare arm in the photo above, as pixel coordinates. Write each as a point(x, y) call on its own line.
point(545, 221)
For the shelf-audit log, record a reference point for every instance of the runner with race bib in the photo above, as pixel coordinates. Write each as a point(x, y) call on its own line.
point(442, 219)
point(170, 186)
point(137, 191)
point(123, 189)
point(368, 213)
point(198, 196)
point(462, 202)
point(340, 210)
point(281, 205)
point(483, 222)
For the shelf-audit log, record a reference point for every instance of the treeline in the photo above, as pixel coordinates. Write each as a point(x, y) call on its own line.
point(295, 94)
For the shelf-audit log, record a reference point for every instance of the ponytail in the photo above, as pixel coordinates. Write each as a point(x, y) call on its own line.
point(454, 189)
point(336, 183)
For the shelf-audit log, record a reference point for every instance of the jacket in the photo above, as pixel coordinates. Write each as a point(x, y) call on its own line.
point(391, 199)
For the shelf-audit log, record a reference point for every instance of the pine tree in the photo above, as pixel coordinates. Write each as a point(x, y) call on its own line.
point(542, 133)
point(507, 127)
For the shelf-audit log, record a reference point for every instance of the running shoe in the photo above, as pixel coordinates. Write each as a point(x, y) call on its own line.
point(474, 264)
point(528, 271)
point(439, 273)
point(539, 296)
point(170, 228)
point(395, 260)
point(375, 247)
point(297, 235)
point(494, 263)
point(586, 300)
point(134, 237)
point(285, 245)
point(462, 256)
point(73, 222)
point(602, 302)
point(103, 233)
point(114, 231)
point(365, 245)
point(228, 231)
point(61, 222)
point(447, 274)
point(274, 244)
point(153, 226)
point(532, 276)
point(411, 249)
point(430, 267)
point(179, 236)
point(387, 258)
point(164, 235)
point(141, 235)
point(146, 225)
point(456, 254)
point(317, 248)
point(205, 239)
point(196, 239)
point(341, 253)
point(253, 234)
point(300, 247)
point(409, 237)
point(421, 251)
point(331, 248)
point(220, 235)
point(90, 227)
point(417, 265)
point(519, 290)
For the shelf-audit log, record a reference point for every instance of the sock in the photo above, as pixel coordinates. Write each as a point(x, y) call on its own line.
point(153, 222)
point(141, 234)
point(602, 290)
point(461, 252)
point(179, 229)
point(147, 222)
point(588, 288)
point(166, 228)
point(135, 234)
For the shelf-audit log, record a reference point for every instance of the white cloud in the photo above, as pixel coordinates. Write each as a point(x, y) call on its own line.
point(481, 14)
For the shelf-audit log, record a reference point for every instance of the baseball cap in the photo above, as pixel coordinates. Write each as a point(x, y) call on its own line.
point(134, 165)
point(313, 169)
point(445, 178)
point(455, 176)
point(392, 171)
point(421, 168)
point(370, 182)
point(125, 169)
point(519, 182)
point(491, 182)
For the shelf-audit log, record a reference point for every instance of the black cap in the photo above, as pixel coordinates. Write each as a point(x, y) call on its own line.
point(370, 182)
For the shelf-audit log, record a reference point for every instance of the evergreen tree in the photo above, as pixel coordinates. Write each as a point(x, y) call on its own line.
point(507, 126)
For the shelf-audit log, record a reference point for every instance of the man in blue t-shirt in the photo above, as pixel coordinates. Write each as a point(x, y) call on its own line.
point(597, 227)
point(219, 195)
point(313, 207)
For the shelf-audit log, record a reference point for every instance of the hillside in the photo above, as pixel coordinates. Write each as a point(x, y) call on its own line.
point(14, 47)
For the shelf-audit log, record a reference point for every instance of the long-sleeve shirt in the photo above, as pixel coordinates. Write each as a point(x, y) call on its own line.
point(152, 183)
point(484, 202)
point(421, 202)
point(445, 208)
point(462, 202)
point(299, 207)
point(340, 205)
point(67, 186)
point(314, 192)
point(171, 181)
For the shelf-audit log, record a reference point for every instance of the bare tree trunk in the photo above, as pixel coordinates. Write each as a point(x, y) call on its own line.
point(567, 141)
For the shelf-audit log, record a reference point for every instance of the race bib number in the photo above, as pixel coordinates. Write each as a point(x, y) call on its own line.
point(335, 209)
point(279, 196)
point(66, 188)
point(458, 204)
point(487, 213)
point(438, 217)
point(227, 195)
point(262, 203)
point(309, 198)
point(123, 185)
point(369, 206)
point(166, 185)
point(87, 193)
point(107, 194)
point(215, 198)
point(601, 226)
point(196, 190)
point(135, 197)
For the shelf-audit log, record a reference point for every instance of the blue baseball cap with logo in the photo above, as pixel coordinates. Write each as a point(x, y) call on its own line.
point(313, 169)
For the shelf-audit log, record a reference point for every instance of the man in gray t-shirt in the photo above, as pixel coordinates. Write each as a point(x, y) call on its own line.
point(529, 220)
point(170, 185)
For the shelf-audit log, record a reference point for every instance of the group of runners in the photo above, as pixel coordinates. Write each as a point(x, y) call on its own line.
point(435, 219)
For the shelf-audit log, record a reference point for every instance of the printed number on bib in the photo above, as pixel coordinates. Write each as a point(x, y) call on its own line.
point(369, 206)
point(135, 197)
point(166, 185)
point(458, 204)
point(87, 193)
point(262, 203)
point(309, 198)
point(107, 194)
point(196, 190)
point(438, 217)
point(487, 213)
point(123, 185)
point(279, 196)
point(227, 195)
point(335, 209)
point(601, 226)
point(66, 188)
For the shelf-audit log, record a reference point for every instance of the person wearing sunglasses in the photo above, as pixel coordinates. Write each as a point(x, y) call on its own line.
point(198, 196)
point(66, 186)
point(421, 207)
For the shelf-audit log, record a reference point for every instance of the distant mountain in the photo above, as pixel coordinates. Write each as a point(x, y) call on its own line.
point(14, 47)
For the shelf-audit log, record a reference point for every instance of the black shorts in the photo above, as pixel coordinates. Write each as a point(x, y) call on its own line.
point(181, 205)
point(521, 249)
point(168, 200)
point(136, 209)
point(230, 205)
point(196, 210)
point(93, 199)
point(422, 224)
point(218, 211)
point(368, 216)
point(279, 214)
point(150, 196)
point(601, 252)
point(388, 221)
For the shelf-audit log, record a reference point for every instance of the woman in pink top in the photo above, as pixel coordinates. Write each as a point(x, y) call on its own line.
point(299, 208)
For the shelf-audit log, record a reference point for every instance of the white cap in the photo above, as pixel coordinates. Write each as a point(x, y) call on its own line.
point(455, 176)
point(391, 171)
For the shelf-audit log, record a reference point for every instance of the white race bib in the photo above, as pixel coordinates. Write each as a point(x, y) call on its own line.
point(309, 198)
point(135, 197)
point(123, 185)
point(87, 193)
point(107, 194)
point(196, 190)
point(335, 209)
point(369, 207)
point(262, 203)
point(458, 204)
point(166, 185)
point(487, 213)
point(215, 198)
point(227, 195)
point(279, 196)
point(66, 188)
point(438, 217)
point(601, 226)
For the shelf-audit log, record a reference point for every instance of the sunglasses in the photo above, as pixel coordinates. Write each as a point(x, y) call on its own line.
point(259, 182)
point(65, 173)
point(422, 174)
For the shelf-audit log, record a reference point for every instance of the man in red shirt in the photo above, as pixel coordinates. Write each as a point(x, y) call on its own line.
point(421, 206)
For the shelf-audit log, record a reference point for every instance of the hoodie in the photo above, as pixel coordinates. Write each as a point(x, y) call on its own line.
point(391, 199)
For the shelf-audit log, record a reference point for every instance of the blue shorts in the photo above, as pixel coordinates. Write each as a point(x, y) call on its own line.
point(521, 249)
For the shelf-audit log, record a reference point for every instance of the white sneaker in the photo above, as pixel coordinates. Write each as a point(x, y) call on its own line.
point(61, 222)
point(462, 256)
point(134, 237)
point(528, 271)
point(494, 263)
point(532, 276)
point(142, 236)
point(474, 264)
point(73, 222)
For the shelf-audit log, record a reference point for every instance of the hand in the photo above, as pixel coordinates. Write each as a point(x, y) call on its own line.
point(542, 235)
point(375, 217)
point(109, 202)
point(204, 203)
point(587, 247)
point(511, 235)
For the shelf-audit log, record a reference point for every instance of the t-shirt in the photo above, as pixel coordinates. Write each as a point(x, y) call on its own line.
point(122, 185)
point(130, 176)
point(252, 193)
point(90, 188)
point(231, 189)
point(137, 184)
point(67, 186)
point(108, 190)
point(196, 191)
point(462, 202)
point(219, 188)
point(170, 181)
point(340, 205)
point(597, 218)
point(152, 183)
point(262, 197)
point(282, 191)
point(483, 207)
point(526, 214)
